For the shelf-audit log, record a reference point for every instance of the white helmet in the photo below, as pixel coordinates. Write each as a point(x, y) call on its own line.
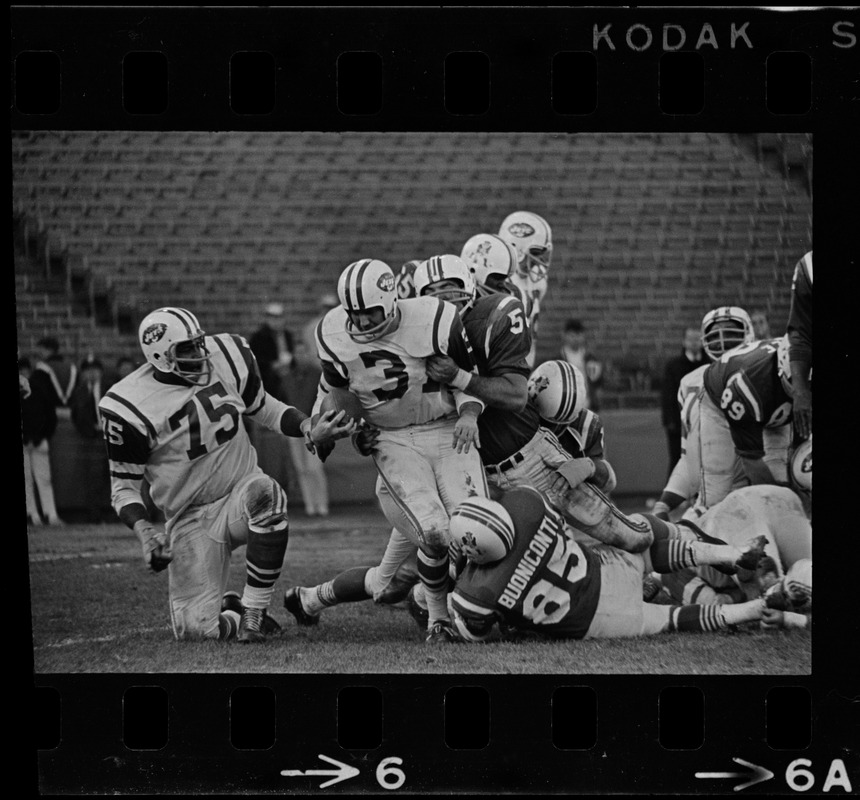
point(783, 364)
point(558, 391)
point(724, 328)
point(172, 341)
point(800, 466)
point(365, 285)
point(531, 237)
point(492, 261)
point(446, 268)
point(404, 282)
point(483, 530)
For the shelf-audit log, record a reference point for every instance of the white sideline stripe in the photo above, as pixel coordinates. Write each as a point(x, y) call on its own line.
point(63, 556)
point(97, 639)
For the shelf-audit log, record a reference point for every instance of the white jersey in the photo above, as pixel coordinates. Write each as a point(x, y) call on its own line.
point(388, 374)
point(531, 294)
point(690, 386)
point(188, 442)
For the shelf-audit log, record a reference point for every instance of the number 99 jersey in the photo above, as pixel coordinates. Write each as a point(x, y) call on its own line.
point(548, 583)
point(744, 384)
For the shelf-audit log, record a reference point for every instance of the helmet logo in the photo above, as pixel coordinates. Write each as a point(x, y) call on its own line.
point(485, 247)
point(537, 385)
point(386, 282)
point(806, 465)
point(154, 333)
point(521, 230)
point(469, 542)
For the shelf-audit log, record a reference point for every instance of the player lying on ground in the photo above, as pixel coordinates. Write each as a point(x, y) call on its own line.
point(177, 423)
point(776, 513)
point(526, 570)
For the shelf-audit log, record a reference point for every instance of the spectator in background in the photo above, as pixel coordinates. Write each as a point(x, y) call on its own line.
point(124, 366)
point(686, 361)
point(61, 373)
point(272, 345)
point(38, 423)
point(574, 351)
point(93, 474)
point(300, 390)
point(327, 302)
point(761, 327)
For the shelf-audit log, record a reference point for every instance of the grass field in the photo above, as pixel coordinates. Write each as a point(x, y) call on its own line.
point(96, 609)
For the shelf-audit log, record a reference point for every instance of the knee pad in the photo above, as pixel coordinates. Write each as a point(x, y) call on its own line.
point(265, 505)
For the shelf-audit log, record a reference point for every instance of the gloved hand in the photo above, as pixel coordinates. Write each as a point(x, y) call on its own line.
point(364, 439)
point(153, 540)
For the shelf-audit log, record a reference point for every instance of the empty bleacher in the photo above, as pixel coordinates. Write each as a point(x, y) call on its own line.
point(650, 230)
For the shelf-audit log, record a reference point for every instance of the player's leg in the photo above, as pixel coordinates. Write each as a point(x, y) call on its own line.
point(30, 487)
point(197, 576)
point(387, 582)
point(41, 460)
point(777, 443)
point(719, 460)
point(298, 451)
point(412, 503)
point(257, 516)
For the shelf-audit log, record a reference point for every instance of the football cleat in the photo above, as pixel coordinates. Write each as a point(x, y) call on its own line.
point(766, 574)
point(254, 625)
point(419, 614)
point(442, 632)
point(293, 604)
point(752, 553)
point(232, 602)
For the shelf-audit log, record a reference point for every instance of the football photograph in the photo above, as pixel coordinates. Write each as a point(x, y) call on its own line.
point(472, 403)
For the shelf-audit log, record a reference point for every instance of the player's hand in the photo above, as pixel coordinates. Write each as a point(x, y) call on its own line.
point(441, 368)
point(323, 450)
point(364, 439)
point(331, 426)
point(153, 541)
point(802, 412)
point(570, 474)
point(772, 619)
point(466, 432)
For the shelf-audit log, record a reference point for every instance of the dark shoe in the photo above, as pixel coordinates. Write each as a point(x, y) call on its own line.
point(420, 615)
point(293, 604)
point(752, 553)
point(255, 625)
point(442, 632)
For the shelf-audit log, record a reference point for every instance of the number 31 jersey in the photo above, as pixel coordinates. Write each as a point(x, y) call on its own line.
point(188, 442)
point(548, 583)
point(388, 374)
point(745, 385)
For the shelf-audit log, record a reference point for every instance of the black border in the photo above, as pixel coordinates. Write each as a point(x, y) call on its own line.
point(520, 42)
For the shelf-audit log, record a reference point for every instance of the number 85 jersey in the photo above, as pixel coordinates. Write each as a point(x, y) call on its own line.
point(745, 385)
point(548, 583)
point(188, 442)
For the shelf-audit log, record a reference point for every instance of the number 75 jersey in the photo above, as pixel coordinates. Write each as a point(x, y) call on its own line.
point(548, 583)
point(188, 442)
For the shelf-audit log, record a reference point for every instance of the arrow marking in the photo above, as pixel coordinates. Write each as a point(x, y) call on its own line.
point(759, 774)
point(343, 772)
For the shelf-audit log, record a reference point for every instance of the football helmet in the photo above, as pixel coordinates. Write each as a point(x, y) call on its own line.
point(483, 530)
point(724, 328)
point(492, 261)
point(558, 391)
point(446, 268)
point(531, 237)
point(800, 466)
point(173, 342)
point(783, 364)
point(404, 283)
point(363, 286)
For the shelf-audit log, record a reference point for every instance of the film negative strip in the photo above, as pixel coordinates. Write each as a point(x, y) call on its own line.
point(404, 127)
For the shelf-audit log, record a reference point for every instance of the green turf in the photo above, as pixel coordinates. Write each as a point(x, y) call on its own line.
point(95, 608)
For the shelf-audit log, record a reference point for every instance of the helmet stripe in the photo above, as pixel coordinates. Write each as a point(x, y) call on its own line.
point(491, 520)
point(353, 291)
point(185, 318)
point(567, 391)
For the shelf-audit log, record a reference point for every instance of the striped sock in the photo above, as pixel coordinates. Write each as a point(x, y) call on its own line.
point(434, 575)
point(264, 559)
point(228, 625)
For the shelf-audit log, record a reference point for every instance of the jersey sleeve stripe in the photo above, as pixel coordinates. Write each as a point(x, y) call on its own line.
point(126, 476)
point(744, 388)
point(322, 343)
point(437, 322)
point(150, 428)
point(462, 604)
point(222, 346)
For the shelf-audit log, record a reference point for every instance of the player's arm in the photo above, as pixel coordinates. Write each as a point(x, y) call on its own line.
point(506, 349)
point(799, 332)
point(128, 450)
point(474, 623)
point(593, 447)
